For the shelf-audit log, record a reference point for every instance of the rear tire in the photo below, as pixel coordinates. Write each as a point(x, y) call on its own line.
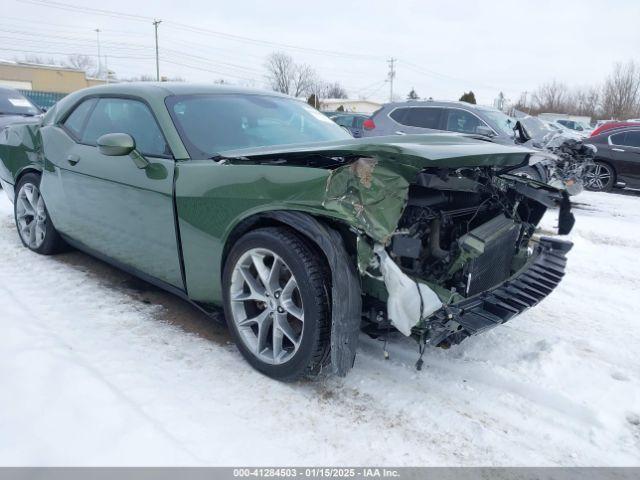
point(35, 229)
point(600, 178)
point(276, 301)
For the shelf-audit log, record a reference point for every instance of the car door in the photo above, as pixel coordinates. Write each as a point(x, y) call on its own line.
point(625, 148)
point(462, 121)
point(120, 210)
point(417, 119)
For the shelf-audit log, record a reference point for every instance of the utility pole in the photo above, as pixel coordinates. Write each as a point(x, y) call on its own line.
point(97, 30)
point(392, 74)
point(155, 24)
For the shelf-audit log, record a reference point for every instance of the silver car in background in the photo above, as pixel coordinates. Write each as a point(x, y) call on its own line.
point(429, 116)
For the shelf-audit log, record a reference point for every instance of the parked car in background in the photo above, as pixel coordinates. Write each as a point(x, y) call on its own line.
point(617, 160)
point(402, 118)
point(581, 128)
point(564, 157)
point(611, 125)
point(257, 203)
point(15, 107)
point(351, 121)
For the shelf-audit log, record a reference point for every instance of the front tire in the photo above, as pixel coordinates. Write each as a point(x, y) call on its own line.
point(35, 228)
point(600, 177)
point(276, 299)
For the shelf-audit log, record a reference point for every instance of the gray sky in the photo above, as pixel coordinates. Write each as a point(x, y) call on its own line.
point(443, 47)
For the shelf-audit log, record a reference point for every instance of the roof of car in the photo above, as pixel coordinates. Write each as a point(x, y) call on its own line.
point(438, 103)
point(614, 131)
point(173, 88)
point(149, 91)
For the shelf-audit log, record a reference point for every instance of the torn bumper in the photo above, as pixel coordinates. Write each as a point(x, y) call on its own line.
point(536, 280)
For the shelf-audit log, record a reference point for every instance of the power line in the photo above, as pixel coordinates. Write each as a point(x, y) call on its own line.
point(194, 29)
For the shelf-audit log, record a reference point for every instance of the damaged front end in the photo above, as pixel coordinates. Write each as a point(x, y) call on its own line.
point(444, 236)
point(467, 254)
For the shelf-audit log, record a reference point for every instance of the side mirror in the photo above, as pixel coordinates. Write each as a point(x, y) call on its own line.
point(484, 130)
point(116, 144)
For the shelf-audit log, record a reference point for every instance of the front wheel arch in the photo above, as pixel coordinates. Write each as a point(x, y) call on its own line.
point(24, 172)
point(346, 300)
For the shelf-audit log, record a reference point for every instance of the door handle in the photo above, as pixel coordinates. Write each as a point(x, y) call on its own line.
point(400, 132)
point(617, 149)
point(73, 159)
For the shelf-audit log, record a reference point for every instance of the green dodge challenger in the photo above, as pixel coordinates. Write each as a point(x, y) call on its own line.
point(257, 203)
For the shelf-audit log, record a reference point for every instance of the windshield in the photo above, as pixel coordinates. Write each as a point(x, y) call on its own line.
point(14, 103)
point(209, 124)
point(535, 127)
point(504, 123)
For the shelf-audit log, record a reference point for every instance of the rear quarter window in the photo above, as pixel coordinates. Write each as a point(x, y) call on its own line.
point(422, 117)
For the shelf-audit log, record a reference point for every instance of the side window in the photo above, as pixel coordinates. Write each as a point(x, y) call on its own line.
point(462, 121)
point(76, 121)
point(344, 121)
point(632, 139)
point(618, 139)
point(422, 117)
point(119, 115)
point(398, 114)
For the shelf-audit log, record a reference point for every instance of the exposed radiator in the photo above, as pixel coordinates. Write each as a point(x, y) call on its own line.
point(495, 241)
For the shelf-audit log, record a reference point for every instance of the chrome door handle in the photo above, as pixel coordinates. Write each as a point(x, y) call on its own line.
point(400, 132)
point(617, 149)
point(73, 159)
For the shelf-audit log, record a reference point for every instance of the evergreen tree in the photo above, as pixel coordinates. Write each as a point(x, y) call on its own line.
point(313, 101)
point(412, 95)
point(468, 97)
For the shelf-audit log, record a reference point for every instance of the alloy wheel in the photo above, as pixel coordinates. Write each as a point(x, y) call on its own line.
point(266, 306)
point(31, 216)
point(598, 177)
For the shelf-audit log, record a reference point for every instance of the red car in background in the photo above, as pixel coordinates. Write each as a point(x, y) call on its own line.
point(610, 125)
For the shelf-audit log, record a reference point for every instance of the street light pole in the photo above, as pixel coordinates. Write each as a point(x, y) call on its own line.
point(97, 30)
point(392, 74)
point(155, 24)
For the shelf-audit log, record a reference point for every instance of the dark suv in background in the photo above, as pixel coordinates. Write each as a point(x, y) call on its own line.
point(617, 161)
point(351, 121)
point(402, 118)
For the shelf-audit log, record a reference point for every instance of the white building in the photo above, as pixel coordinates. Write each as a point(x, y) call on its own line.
point(360, 106)
point(552, 117)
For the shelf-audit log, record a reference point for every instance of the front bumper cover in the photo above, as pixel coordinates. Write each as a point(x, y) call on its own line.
point(537, 279)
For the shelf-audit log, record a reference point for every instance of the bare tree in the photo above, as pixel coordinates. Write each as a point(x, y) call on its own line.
point(621, 91)
point(551, 97)
point(280, 67)
point(335, 90)
point(39, 59)
point(81, 62)
point(284, 75)
point(584, 101)
point(304, 78)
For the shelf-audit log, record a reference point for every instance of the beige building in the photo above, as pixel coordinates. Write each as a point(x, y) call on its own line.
point(361, 106)
point(45, 78)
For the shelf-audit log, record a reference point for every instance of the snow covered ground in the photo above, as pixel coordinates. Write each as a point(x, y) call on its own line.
point(98, 368)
